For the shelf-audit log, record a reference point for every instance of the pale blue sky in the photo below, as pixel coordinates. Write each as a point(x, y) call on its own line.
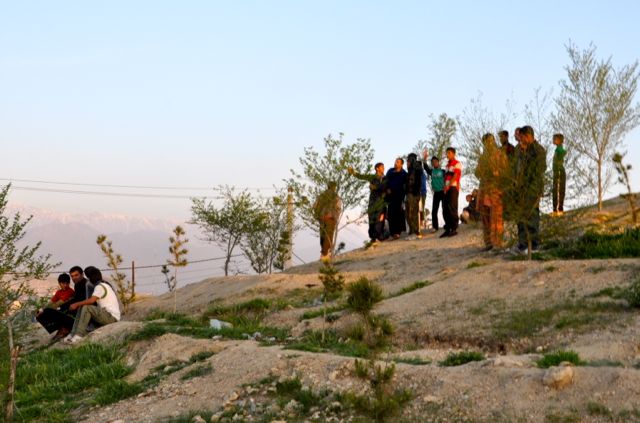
point(201, 93)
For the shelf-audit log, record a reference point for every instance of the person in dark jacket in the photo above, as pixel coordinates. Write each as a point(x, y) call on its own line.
point(377, 209)
point(530, 164)
point(61, 319)
point(396, 190)
point(505, 146)
point(414, 184)
point(559, 175)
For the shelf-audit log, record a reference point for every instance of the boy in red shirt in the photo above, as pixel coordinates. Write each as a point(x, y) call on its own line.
point(452, 175)
point(64, 294)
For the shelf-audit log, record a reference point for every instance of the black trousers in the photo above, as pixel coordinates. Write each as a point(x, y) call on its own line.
point(397, 223)
point(376, 226)
point(438, 198)
point(529, 224)
point(559, 188)
point(53, 320)
point(450, 209)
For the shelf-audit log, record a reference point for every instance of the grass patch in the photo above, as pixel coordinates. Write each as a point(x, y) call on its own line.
point(51, 383)
point(569, 314)
point(464, 357)
point(407, 289)
point(311, 341)
point(197, 371)
point(312, 314)
point(604, 363)
point(414, 361)
point(596, 245)
point(475, 264)
point(597, 409)
point(555, 358)
point(292, 389)
point(154, 330)
point(550, 269)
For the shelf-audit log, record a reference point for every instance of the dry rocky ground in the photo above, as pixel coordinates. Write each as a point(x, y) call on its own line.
point(512, 311)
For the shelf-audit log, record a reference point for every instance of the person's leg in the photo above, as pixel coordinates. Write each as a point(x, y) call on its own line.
point(453, 207)
point(396, 217)
point(372, 227)
point(435, 206)
point(88, 313)
point(325, 245)
point(534, 227)
point(445, 212)
point(412, 205)
point(485, 213)
point(497, 225)
point(331, 233)
point(561, 190)
point(555, 193)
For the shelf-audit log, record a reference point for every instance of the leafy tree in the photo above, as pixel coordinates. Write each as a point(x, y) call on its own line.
point(18, 266)
point(178, 259)
point(595, 111)
point(623, 178)
point(476, 120)
point(442, 130)
point(267, 244)
point(319, 169)
point(229, 224)
point(125, 289)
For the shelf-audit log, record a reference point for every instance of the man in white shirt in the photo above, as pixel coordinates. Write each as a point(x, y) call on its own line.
point(102, 307)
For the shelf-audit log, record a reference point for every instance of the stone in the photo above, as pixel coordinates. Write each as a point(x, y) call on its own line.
point(431, 399)
point(506, 362)
point(219, 324)
point(198, 419)
point(558, 377)
point(292, 406)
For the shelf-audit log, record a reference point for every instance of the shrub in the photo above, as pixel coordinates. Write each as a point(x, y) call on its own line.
point(363, 295)
point(632, 294)
point(464, 357)
point(555, 358)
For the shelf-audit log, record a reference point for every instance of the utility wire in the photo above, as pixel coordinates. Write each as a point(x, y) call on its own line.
point(105, 193)
point(128, 186)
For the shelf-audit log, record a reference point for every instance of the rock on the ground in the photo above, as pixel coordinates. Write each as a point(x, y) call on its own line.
point(558, 377)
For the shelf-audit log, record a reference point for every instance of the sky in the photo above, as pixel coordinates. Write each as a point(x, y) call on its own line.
point(196, 94)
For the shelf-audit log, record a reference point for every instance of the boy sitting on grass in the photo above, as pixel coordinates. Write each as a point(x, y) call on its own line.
point(62, 295)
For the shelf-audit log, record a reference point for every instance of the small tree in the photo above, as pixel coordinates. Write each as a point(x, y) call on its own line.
point(18, 266)
point(623, 178)
point(442, 130)
point(267, 244)
point(125, 289)
point(595, 111)
point(229, 224)
point(178, 259)
point(384, 401)
point(476, 120)
point(332, 284)
point(319, 170)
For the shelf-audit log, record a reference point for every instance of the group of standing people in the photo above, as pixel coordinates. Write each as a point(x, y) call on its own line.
point(511, 185)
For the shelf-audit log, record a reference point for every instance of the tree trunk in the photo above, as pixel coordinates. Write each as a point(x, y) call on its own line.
point(14, 351)
point(226, 265)
point(599, 184)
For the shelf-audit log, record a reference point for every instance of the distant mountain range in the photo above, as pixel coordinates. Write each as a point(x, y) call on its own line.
point(71, 240)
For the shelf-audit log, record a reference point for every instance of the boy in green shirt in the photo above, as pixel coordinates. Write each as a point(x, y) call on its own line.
point(559, 175)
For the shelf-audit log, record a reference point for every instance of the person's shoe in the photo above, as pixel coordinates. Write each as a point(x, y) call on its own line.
point(560, 213)
point(411, 237)
point(453, 233)
point(73, 339)
point(419, 236)
point(396, 236)
point(62, 333)
point(517, 250)
point(433, 230)
point(445, 234)
point(487, 248)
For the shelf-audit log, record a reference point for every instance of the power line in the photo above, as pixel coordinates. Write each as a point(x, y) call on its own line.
point(38, 181)
point(151, 266)
point(105, 193)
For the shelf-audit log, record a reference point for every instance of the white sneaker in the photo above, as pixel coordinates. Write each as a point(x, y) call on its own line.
point(73, 339)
